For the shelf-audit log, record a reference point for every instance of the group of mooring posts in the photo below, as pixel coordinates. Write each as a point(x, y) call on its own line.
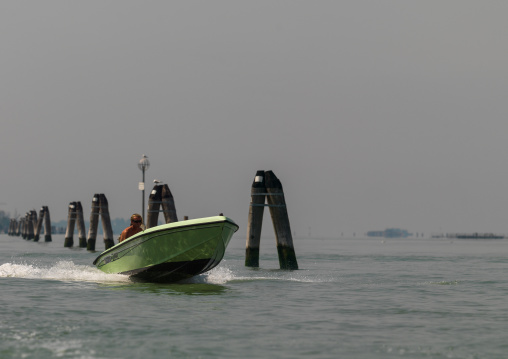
point(160, 196)
point(267, 187)
point(30, 226)
point(75, 217)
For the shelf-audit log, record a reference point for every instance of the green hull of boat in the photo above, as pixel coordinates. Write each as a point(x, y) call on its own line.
point(170, 252)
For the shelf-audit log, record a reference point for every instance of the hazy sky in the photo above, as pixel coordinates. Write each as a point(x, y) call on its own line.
point(372, 114)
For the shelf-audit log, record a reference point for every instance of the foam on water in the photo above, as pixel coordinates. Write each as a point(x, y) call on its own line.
point(62, 270)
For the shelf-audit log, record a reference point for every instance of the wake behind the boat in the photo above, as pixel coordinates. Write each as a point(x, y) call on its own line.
point(61, 270)
point(65, 270)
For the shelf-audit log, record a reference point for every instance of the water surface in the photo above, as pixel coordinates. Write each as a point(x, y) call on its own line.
point(351, 298)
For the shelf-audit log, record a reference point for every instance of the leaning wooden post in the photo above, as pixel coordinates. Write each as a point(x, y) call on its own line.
point(80, 222)
point(154, 202)
point(106, 222)
point(38, 227)
point(94, 223)
point(255, 220)
point(280, 219)
point(71, 220)
point(168, 205)
point(47, 225)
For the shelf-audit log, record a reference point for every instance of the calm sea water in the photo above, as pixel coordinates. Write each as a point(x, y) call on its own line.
point(352, 298)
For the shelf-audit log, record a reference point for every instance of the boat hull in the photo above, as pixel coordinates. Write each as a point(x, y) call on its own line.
point(170, 252)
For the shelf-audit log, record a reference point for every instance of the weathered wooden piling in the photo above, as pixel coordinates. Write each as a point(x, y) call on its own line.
point(38, 227)
point(47, 225)
point(255, 220)
point(26, 231)
point(20, 227)
point(71, 221)
point(24, 228)
point(280, 220)
point(106, 221)
point(11, 227)
point(80, 223)
point(154, 202)
point(94, 223)
point(168, 205)
point(30, 230)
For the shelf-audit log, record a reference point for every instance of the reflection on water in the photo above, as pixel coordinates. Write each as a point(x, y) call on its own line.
point(180, 288)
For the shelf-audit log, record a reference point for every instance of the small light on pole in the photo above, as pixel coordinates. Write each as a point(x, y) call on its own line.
point(143, 165)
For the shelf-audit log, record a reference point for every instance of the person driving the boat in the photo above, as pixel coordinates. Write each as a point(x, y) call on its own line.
point(135, 227)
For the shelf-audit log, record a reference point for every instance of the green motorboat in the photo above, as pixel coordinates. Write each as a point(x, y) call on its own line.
point(172, 251)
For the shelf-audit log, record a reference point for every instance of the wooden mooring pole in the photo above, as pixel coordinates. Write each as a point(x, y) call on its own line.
point(26, 225)
point(255, 220)
point(106, 222)
point(94, 223)
point(71, 220)
point(47, 225)
point(154, 202)
point(168, 205)
point(80, 222)
point(32, 222)
point(267, 185)
point(280, 220)
point(21, 227)
point(38, 227)
point(13, 227)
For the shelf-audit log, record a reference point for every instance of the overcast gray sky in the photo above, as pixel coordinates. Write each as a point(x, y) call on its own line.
point(372, 114)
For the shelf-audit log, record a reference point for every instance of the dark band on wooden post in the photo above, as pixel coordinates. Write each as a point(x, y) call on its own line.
point(168, 205)
point(255, 220)
point(154, 203)
point(106, 221)
point(280, 219)
point(47, 225)
point(38, 227)
point(80, 223)
point(94, 223)
point(71, 220)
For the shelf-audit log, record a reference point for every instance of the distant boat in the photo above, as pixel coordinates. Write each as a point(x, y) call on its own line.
point(172, 251)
